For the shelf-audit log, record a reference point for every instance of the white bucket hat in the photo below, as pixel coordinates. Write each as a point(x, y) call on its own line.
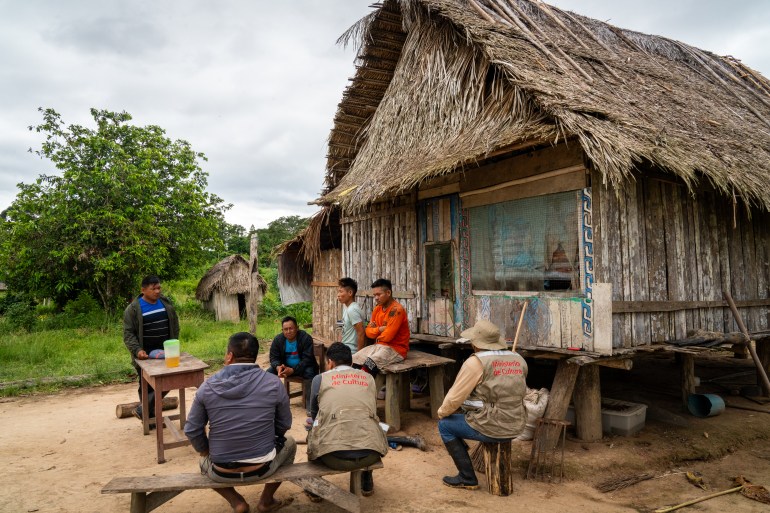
point(485, 335)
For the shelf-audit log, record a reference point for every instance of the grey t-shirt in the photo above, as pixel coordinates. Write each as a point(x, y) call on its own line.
point(351, 315)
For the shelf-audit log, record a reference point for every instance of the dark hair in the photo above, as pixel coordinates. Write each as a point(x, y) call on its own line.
point(348, 283)
point(340, 354)
point(384, 283)
point(244, 346)
point(149, 280)
point(289, 318)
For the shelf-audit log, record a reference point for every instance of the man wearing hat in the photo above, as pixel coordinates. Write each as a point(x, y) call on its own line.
point(489, 389)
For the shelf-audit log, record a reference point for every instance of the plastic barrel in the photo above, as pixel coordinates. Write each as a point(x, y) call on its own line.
point(705, 405)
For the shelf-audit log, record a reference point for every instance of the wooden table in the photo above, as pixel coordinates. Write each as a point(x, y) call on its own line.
point(397, 389)
point(189, 373)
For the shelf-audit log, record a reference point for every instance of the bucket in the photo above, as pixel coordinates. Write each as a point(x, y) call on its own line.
point(704, 405)
point(171, 348)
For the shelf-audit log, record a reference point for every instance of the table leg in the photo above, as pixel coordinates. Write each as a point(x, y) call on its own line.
point(436, 385)
point(159, 419)
point(145, 408)
point(182, 409)
point(393, 400)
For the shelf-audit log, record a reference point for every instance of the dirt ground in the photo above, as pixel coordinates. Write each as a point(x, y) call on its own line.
point(57, 451)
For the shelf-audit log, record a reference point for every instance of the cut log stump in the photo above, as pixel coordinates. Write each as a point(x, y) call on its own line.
point(498, 467)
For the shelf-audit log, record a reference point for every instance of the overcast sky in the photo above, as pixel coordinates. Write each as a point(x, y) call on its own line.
point(252, 84)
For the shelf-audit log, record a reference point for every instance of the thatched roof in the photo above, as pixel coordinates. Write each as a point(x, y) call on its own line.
point(441, 84)
point(230, 276)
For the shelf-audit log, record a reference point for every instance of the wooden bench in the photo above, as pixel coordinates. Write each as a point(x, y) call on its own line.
point(397, 391)
point(149, 492)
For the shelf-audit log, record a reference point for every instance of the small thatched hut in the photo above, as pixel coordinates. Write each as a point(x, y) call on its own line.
point(224, 289)
point(492, 152)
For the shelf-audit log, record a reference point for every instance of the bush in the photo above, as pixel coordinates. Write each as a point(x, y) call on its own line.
point(21, 315)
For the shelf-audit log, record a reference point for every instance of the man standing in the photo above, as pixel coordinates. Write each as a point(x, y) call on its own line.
point(490, 388)
point(291, 354)
point(353, 334)
point(346, 433)
point(247, 411)
point(389, 328)
point(148, 321)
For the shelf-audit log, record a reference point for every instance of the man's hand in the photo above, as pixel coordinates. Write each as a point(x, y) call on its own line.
point(141, 355)
point(382, 328)
point(284, 371)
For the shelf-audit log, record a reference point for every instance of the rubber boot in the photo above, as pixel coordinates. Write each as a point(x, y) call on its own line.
point(367, 483)
point(466, 477)
point(408, 441)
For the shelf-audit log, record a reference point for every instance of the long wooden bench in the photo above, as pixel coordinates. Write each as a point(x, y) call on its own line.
point(397, 391)
point(149, 492)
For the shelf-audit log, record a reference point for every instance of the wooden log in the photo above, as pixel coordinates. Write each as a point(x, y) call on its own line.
point(687, 366)
point(561, 390)
point(588, 404)
point(123, 411)
point(498, 467)
point(254, 290)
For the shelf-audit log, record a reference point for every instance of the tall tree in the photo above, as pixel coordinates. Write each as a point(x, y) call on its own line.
point(278, 231)
point(128, 202)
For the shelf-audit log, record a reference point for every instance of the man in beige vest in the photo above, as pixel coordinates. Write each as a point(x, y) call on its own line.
point(490, 390)
point(346, 432)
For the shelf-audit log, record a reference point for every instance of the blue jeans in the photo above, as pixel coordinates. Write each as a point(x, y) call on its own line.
point(455, 426)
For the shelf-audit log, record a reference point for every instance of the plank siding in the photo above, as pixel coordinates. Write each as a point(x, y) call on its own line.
point(661, 242)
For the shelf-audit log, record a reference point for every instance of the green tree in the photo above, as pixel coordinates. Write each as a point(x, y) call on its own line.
point(278, 231)
point(128, 202)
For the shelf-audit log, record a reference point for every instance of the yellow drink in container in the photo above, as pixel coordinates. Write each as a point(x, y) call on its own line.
point(171, 350)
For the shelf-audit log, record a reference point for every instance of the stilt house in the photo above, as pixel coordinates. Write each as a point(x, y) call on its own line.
point(492, 152)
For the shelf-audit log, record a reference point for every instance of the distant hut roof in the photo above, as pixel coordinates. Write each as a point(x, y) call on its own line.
point(230, 276)
point(442, 84)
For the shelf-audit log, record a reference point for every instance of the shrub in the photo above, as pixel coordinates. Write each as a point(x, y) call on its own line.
point(21, 315)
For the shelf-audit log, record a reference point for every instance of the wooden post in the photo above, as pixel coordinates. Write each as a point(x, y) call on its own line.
point(498, 467)
point(138, 502)
point(688, 377)
point(588, 404)
point(393, 401)
point(254, 291)
point(561, 390)
point(436, 385)
point(763, 352)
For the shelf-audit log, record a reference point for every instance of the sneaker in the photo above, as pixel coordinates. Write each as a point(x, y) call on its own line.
point(137, 412)
point(308, 423)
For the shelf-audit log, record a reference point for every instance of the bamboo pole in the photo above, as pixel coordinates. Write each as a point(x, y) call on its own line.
point(700, 499)
point(518, 327)
point(760, 368)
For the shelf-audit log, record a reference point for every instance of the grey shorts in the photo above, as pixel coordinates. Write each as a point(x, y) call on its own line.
point(284, 457)
point(380, 354)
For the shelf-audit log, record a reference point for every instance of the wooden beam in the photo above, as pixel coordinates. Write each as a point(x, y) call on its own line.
point(587, 397)
point(396, 294)
point(672, 306)
point(687, 367)
point(561, 390)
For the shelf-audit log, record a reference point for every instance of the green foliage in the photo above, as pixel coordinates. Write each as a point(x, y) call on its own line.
point(273, 308)
point(20, 316)
point(278, 231)
point(129, 202)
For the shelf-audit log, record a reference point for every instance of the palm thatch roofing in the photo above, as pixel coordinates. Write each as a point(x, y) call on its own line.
point(442, 84)
point(296, 257)
point(229, 276)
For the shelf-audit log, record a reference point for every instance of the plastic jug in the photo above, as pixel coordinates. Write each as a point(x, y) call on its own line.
point(171, 349)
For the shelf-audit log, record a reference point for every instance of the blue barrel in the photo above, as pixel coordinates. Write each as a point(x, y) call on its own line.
point(705, 405)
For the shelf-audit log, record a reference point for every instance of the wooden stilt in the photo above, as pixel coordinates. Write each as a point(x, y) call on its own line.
point(688, 377)
point(561, 390)
point(588, 404)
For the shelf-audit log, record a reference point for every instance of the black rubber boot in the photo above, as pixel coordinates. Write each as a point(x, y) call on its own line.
point(466, 477)
point(408, 441)
point(367, 483)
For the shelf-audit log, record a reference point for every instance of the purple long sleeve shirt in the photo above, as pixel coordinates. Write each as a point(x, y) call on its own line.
point(245, 408)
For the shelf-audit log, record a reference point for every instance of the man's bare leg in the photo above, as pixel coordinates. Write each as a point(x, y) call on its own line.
point(266, 500)
point(235, 499)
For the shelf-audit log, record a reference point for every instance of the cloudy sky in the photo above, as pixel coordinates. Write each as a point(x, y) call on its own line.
point(252, 84)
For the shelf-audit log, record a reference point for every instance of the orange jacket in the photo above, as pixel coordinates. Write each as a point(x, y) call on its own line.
point(396, 334)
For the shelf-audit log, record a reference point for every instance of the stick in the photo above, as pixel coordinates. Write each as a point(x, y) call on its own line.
point(518, 328)
point(701, 499)
point(752, 350)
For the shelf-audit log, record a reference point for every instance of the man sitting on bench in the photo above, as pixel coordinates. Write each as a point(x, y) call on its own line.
point(346, 433)
point(247, 410)
point(490, 389)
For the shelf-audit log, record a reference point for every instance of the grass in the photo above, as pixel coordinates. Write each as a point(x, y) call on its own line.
point(45, 361)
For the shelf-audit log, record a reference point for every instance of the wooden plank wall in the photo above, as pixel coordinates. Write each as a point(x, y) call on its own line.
point(326, 309)
point(225, 307)
point(660, 242)
point(382, 243)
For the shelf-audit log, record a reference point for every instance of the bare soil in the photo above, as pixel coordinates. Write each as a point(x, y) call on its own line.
point(57, 451)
